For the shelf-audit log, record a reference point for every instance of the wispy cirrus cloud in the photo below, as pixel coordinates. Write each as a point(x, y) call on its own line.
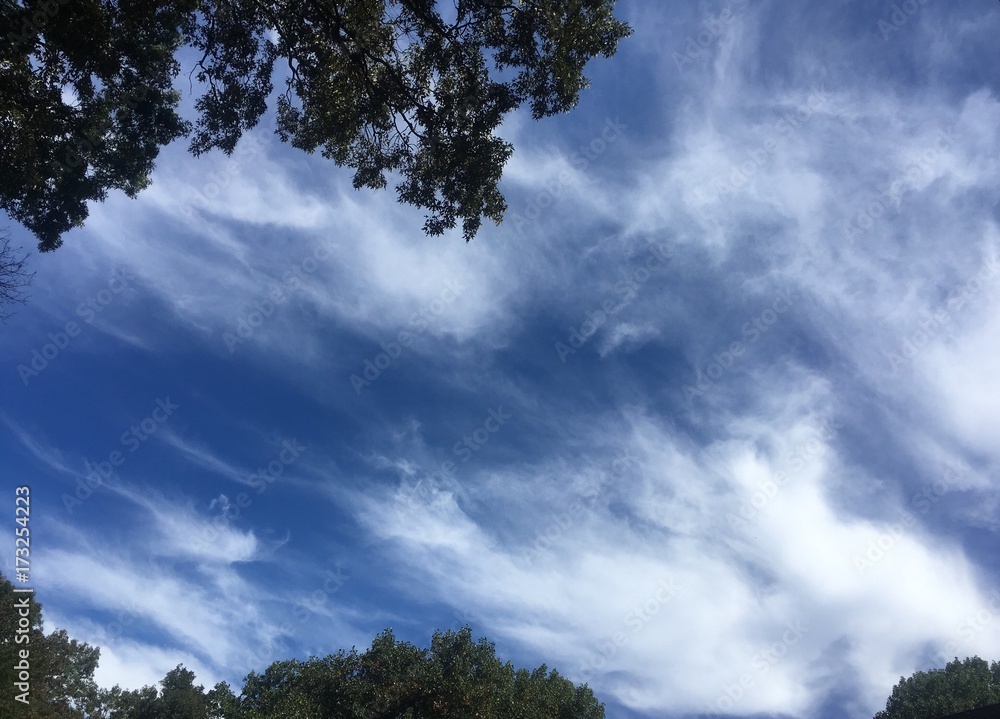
point(827, 200)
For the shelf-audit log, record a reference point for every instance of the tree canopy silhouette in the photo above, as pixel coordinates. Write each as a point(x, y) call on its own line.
point(380, 86)
point(961, 685)
point(454, 677)
point(61, 670)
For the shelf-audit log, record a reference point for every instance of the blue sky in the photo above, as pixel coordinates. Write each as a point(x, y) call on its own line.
point(709, 422)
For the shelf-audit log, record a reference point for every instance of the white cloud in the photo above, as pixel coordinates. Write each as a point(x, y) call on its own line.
point(793, 563)
point(786, 496)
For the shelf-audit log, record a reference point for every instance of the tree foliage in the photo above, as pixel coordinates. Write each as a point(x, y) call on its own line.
point(961, 685)
point(455, 678)
point(177, 698)
point(86, 102)
point(380, 86)
point(61, 669)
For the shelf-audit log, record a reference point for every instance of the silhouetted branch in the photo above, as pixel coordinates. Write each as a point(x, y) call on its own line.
point(14, 278)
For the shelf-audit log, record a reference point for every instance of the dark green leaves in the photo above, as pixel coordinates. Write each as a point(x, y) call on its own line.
point(380, 86)
point(455, 677)
point(86, 101)
point(61, 669)
point(961, 685)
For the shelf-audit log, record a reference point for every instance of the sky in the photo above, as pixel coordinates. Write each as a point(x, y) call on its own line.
point(708, 422)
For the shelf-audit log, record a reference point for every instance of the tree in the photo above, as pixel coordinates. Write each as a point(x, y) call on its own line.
point(14, 277)
point(380, 86)
point(178, 698)
point(61, 669)
point(86, 102)
point(455, 677)
point(961, 685)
